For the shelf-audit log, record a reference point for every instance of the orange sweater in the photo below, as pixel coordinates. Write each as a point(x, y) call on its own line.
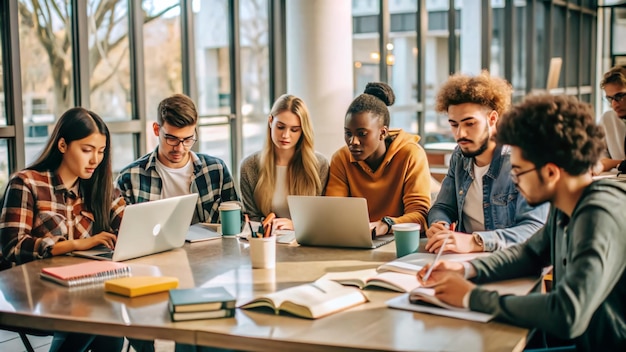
point(399, 188)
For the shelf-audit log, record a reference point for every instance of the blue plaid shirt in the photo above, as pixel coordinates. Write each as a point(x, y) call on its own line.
point(140, 182)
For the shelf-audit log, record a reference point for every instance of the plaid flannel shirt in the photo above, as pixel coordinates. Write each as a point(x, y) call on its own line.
point(140, 182)
point(40, 211)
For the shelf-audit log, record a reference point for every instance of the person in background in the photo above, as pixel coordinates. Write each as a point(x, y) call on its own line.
point(287, 165)
point(172, 169)
point(64, 202)
point(387, 167)
point(477, 193)
point(614, 121)
point(583, 238)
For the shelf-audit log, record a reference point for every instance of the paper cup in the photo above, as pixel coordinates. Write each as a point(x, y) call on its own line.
point(230, 218)
point(407, 238)
point(263, 252)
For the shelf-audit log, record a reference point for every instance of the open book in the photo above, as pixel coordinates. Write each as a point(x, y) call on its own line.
point(314, 300)
point(372, 278)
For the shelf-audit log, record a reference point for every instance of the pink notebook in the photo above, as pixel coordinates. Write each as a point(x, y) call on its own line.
point(90, 272)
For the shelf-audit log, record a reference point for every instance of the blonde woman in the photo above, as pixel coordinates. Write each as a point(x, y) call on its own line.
point(287, 164)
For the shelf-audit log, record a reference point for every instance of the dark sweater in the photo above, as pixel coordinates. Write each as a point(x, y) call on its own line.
point(588, 252)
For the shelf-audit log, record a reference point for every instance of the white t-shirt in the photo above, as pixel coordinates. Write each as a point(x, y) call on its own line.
point(176, 182)
point(279, 200)
point(615, 131)
point(473, 214)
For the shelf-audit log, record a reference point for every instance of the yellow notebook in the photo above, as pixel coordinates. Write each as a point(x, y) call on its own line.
point(140, 285)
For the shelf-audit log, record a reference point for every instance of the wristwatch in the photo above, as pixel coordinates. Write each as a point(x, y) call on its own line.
point(479, 241)
point(389, 221)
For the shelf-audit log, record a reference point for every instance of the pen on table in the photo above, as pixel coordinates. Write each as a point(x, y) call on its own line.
point(430, 270)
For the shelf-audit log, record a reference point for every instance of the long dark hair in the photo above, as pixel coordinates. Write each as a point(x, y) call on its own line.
point(75, 124)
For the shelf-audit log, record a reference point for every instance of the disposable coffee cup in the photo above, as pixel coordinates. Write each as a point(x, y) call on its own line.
point(263, 252)
point(230, 217)
point(407, 238)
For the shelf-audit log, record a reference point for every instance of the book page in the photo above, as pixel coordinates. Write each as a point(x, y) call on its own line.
point(312, 300)
point(400, 267)
point(402, 302)
point(395, 281)
point(356, 278)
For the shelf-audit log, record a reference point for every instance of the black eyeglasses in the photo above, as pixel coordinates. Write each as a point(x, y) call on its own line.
point(175, 141)
point(515, 176)
point(617, 97)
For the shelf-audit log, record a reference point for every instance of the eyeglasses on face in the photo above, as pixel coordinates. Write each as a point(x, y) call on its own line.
point(175, 141)
point(617, 97)
point(515, 176)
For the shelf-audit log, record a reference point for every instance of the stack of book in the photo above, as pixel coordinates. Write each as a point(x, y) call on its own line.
point(201, 303)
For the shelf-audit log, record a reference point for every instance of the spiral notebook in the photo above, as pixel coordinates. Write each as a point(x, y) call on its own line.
point(92, 272)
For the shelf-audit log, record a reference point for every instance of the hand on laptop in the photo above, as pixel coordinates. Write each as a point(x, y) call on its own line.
point(378, 228)
point(282, 224)
point(103, 238)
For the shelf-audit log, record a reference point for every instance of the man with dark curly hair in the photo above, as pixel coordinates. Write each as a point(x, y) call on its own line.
point(555, 143)
point(477, 194)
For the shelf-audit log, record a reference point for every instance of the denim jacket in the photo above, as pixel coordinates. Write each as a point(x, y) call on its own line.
point(508, 218)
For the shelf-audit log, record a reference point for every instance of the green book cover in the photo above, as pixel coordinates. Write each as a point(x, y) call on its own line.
point(200, 299)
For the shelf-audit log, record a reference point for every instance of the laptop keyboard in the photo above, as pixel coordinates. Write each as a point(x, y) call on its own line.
point(106, 255)
point(382, 240)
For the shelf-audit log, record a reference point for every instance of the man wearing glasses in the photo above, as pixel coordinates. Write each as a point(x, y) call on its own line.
point(614, 121)
point(172, 169)
point(477, 193)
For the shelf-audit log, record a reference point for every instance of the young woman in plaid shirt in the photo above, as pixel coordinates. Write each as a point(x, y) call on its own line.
point(64, 202)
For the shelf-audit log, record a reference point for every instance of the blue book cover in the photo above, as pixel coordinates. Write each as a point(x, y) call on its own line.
point(200, 299)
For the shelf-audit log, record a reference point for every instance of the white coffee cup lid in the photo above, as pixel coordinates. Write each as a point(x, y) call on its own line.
point(408, 226)
point(229, 206)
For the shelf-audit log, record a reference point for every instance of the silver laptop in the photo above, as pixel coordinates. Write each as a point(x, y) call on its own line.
point(333, 222)
point(149, 228)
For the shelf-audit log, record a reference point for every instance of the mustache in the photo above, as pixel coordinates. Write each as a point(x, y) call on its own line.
point(464, 140)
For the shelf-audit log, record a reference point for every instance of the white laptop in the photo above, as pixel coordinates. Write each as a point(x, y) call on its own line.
point(148, 228)
point(333, 222)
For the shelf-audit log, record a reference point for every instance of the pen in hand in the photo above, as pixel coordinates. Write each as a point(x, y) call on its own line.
point(441, 249)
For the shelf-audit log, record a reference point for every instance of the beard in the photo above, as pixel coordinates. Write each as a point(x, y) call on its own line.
point(483, 146)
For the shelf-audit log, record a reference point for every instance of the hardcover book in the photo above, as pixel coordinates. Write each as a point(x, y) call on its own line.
point(209, 314)
point(314, 300)
point(140, 285)
point(91, 272)
point(200, 299)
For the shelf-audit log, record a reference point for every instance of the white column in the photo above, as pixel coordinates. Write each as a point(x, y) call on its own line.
point(319, 65)
point(470, 37)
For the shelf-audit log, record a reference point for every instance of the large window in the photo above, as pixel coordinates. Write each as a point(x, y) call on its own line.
point(253, 26)
point(162, 58)
point(109, 63)
point(47, 79)
point(4, 167)
point(213, 66)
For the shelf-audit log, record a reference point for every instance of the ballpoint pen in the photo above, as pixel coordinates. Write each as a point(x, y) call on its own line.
point(430, 270)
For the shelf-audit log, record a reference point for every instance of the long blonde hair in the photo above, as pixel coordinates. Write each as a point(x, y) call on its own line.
point(302, 172)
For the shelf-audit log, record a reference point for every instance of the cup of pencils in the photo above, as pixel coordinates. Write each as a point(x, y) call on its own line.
point(263, 245)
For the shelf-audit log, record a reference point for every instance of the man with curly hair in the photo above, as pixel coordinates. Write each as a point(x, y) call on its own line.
point(614, 121)
point(477, 194)
point(555, 142)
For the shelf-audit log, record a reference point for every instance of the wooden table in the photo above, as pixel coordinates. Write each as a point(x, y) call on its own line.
point(29, 301)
